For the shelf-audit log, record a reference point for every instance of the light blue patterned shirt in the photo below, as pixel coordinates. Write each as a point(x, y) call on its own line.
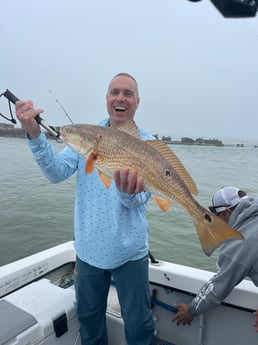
point(110, 227)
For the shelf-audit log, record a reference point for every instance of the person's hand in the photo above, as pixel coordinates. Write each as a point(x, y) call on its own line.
point(26, 113)
point(183, 316)
point(255, 323)
point(127, 181)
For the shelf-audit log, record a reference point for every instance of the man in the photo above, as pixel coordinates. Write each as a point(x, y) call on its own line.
point(111, 231)
point(237, 259)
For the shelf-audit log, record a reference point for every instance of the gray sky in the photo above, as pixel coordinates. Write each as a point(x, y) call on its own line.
point(197, 71)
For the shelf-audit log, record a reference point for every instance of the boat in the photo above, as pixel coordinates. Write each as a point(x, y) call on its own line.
point(38, 306)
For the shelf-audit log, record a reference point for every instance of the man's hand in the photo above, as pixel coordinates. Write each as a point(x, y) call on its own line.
point(127, 181)
point(183, 316)
point(26, 114)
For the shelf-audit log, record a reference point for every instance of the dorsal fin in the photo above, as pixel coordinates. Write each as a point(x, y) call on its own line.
point(130, 128)
point(169, 155)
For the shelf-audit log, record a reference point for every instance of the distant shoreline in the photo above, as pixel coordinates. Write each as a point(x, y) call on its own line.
point(9, 131)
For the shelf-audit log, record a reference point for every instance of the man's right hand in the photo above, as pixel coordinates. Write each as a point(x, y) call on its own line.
point(183, 315)
point(26, 113)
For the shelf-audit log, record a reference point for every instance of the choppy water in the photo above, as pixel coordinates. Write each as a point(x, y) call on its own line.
point(35, 214)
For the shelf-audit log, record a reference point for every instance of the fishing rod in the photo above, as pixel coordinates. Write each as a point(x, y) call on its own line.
point(50, 129)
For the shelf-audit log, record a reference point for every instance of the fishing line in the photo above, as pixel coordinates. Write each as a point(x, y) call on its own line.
point(250, 28)
point(59, 103)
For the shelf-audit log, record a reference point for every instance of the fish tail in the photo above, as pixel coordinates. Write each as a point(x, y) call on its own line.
point(213, 231)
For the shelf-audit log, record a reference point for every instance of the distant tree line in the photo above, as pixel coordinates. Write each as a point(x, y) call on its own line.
point(201, 141)
point(190, 141)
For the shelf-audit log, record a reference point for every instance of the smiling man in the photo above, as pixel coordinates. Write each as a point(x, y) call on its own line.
point(122, 99)
point(111, 230)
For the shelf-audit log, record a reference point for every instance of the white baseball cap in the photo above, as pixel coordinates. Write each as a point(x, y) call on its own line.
point(225, 198)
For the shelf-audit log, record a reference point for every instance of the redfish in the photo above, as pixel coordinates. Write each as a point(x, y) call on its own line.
point(109, 149)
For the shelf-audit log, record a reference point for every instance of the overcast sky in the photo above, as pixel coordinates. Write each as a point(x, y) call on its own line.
point(197, 71)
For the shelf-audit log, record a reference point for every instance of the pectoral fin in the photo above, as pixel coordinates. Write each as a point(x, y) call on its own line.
point(163, 204)
point(90, 164)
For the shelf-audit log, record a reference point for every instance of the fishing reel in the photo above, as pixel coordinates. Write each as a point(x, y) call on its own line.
point(13, 99)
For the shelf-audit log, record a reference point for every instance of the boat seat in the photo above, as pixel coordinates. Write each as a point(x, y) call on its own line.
point(13, 321)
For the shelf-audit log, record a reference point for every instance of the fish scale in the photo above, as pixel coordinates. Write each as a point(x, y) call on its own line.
point(128, 156)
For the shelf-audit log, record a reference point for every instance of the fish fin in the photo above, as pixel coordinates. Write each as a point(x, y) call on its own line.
point(130, 128)
point(163, 204)
point(173, 160)
point(213, 231)
point(90, 164)
point(105, 179)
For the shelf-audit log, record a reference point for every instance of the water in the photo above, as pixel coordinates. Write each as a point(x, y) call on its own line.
point(35, 214)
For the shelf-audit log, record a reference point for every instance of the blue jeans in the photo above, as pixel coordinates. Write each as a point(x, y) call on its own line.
point(132, 283)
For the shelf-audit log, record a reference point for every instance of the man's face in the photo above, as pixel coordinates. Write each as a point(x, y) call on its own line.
point(122, 100)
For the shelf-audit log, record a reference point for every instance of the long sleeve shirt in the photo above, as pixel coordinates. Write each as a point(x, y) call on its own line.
point(237, 260)
point(110, 226)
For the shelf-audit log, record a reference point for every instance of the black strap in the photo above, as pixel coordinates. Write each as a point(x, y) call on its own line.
point(12, 119)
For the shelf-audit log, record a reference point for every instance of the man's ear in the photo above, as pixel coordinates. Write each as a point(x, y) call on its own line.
point(138, 101)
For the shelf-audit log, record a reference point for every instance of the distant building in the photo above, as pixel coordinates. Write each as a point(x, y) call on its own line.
point(187, 140)
point(166, 139)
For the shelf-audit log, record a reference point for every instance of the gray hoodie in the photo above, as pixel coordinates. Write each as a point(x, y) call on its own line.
point(237, 259)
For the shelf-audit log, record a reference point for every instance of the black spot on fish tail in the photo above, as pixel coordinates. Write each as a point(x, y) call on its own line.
point(168, 173)
point(207, 217)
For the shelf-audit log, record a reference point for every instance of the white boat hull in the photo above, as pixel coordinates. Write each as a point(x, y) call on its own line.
point(41, 286)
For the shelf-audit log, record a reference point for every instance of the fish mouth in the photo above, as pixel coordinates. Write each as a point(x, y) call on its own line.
point(63, 136)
